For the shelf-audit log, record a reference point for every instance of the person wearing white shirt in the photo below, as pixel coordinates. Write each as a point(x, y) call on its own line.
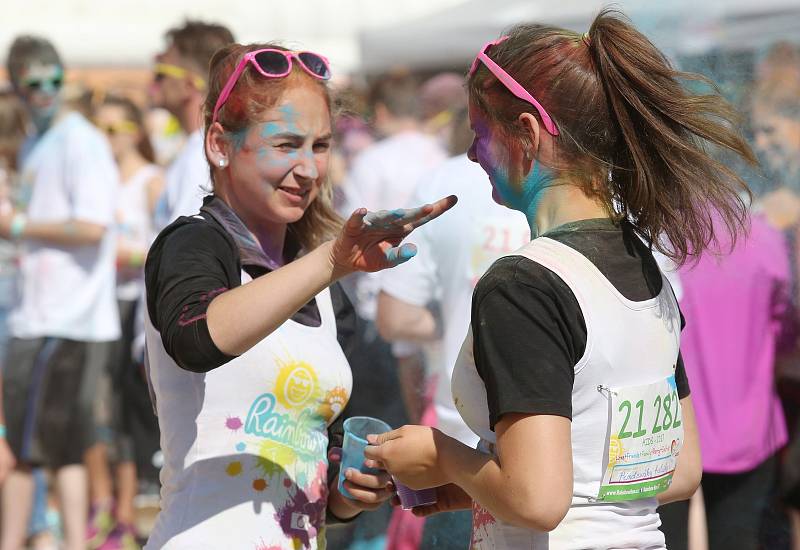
point(450, 261)
point(66, 314)
point(179, 88)
point(385, 173)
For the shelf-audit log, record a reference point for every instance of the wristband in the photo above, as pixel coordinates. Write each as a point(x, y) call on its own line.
point(18, 223)
point(2, 431)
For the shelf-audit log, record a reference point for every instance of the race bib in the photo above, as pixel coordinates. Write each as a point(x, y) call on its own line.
point(646, 438)
point(494, 237)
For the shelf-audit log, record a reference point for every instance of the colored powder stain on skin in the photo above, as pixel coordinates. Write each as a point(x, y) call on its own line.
point(241, 447)
point(234, 423)
point(270, 129)
point(260, 484)
point(234, 468)
point(290, 116)
point(238, 139)
point(402, 254)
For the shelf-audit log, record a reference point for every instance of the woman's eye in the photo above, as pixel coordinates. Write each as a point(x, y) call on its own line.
point(322, 146)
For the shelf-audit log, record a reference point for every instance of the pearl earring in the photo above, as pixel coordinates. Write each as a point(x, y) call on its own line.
point(223, 163)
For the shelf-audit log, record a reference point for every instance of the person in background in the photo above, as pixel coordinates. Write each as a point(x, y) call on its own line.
point(66, 316)
point(740, 316)
point(452, 257)
point(111, 522)
point(383, 176)
point(179, 87)
point(442, 98)
point(12, 134)
point(13, 129)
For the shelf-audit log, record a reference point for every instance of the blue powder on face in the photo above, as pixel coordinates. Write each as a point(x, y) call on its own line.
point(270, 129)
point(238, 139)
point(289, 116)
point(241, 447)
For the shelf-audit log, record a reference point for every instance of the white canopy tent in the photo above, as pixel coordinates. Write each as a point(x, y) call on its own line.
point(452, 36)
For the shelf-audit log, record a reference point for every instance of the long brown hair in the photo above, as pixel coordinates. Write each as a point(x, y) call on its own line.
point(252, 95)
point(629, 129)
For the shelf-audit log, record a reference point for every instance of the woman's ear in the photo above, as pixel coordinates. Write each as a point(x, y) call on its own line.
point(217, 147)
point(530, 127)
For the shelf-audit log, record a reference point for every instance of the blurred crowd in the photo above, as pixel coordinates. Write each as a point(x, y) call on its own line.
point(88, 177)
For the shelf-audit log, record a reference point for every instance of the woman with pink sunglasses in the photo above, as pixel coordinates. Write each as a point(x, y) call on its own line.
point(571, 373)
point(246, 325)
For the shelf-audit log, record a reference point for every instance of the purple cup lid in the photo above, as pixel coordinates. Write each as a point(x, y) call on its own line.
point(411, 498)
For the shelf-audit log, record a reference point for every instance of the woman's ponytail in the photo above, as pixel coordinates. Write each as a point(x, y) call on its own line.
point(626, 117)
point(662, 173)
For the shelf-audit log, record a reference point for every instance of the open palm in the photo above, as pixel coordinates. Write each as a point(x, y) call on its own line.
point(370, 241)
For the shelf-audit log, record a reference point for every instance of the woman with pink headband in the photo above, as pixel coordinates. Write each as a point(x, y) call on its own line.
point(571, 373)
point(246, 325)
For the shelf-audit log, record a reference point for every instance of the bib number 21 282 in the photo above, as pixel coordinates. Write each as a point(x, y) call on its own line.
point(646, 438)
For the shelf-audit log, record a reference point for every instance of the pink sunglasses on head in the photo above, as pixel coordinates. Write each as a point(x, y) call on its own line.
point(272, 63)
point(512, 85)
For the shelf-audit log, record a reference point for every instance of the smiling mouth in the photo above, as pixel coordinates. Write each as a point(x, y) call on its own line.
point(300, 193)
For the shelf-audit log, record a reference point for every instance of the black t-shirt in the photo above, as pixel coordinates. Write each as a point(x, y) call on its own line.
point(195, 259)
point(528, 329)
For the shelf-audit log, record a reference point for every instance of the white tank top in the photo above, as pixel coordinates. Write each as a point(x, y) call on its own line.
point(628, 344)
point(135, 228)
point(245, 445)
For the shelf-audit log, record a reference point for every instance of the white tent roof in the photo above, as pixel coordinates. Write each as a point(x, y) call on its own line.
point(453, 35)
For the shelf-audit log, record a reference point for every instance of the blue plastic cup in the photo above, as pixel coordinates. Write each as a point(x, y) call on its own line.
point(356, 430)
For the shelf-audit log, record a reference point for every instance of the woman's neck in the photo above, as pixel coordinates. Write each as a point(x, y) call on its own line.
point(563, 203)
point(129, 163)
point(271, 239)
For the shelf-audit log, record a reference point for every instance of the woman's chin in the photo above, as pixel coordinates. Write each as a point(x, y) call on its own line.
point(496, 196)
point(291, 214)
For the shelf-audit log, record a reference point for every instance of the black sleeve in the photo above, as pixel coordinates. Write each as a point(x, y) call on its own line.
point(346, 334)
point(346, 320)
point(681, 380)
point(525, 348)
point(186, 268)
point(346, 327)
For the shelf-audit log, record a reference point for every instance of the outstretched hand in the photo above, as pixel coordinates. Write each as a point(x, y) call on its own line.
point(370, 241)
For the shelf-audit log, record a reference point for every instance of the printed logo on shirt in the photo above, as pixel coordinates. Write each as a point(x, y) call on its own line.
point(299, 433)
point(297, 384)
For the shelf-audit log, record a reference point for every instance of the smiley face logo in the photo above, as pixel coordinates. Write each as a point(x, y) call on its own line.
point(296, 385)
point(299, 386)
